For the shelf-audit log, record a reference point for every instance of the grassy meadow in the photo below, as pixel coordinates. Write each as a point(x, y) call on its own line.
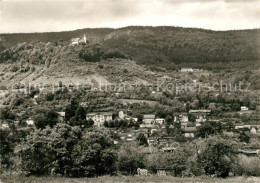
point(22, 179)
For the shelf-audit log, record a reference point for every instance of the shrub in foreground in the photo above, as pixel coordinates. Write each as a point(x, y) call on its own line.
point(67, 151)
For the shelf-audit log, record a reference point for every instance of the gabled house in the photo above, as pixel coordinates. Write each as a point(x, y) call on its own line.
point(160, 121)
point(100, 117)
point(121, 115)
point(180, 118)
point(200, 115)
point(189, 131)
point(148, 119)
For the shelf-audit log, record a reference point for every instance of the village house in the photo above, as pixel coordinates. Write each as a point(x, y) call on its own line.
point(189, 132)
point(179, 118)
point(200, 115)
point(121, 115)
point(61, 116)
point(201, 119)
point(99, 118)
point(152, 140)
point(244, 108)
point(165, 141)
point(160, 121)
point(253, 130)
point(30, 122)
point(184, 124)
point(148, 119)
point(131, 118)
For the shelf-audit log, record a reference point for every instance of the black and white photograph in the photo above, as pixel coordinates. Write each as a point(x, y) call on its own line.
point(114, 91)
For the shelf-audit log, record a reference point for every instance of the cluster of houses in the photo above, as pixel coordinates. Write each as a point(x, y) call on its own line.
point(155, 129)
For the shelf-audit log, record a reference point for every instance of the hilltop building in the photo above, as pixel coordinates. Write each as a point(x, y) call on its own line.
point(76, 41)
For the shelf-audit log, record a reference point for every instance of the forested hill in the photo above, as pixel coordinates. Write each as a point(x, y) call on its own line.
point(154, 45)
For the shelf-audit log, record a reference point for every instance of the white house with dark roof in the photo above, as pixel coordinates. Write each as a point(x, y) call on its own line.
point(148, 119)
point(189, 131)
point(100, 117)
point(160, 121)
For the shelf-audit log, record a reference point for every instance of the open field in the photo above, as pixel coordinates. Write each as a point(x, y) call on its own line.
point(22, 179)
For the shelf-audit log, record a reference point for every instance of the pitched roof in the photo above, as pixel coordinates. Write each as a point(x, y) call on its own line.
point(100, 113)
point(149, 116)
point(190, 129)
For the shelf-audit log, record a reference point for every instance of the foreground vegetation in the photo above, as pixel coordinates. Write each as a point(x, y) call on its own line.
point(70, 151)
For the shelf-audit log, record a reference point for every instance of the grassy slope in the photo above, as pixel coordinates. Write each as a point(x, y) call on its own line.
point(18, 179)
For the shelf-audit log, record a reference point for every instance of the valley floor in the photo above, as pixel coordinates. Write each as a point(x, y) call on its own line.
point(22, 179)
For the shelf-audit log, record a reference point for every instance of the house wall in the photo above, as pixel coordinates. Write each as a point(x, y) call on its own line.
point(148, 121)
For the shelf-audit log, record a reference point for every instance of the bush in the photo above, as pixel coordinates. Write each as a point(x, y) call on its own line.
point(35, 153)
point(66, 151)
point(15, 68)
point(94, 155)
point(6, 147)
point(114, 54)
point(91, 53)
point(130, 158)
point(218, 156)
point(249, 166)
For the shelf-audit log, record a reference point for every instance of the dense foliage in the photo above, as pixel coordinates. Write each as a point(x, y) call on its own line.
point(67, 151)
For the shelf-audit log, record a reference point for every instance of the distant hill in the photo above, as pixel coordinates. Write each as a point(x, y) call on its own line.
point(160, 46)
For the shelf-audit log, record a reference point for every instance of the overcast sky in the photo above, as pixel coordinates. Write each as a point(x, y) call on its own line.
point(60, 15)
